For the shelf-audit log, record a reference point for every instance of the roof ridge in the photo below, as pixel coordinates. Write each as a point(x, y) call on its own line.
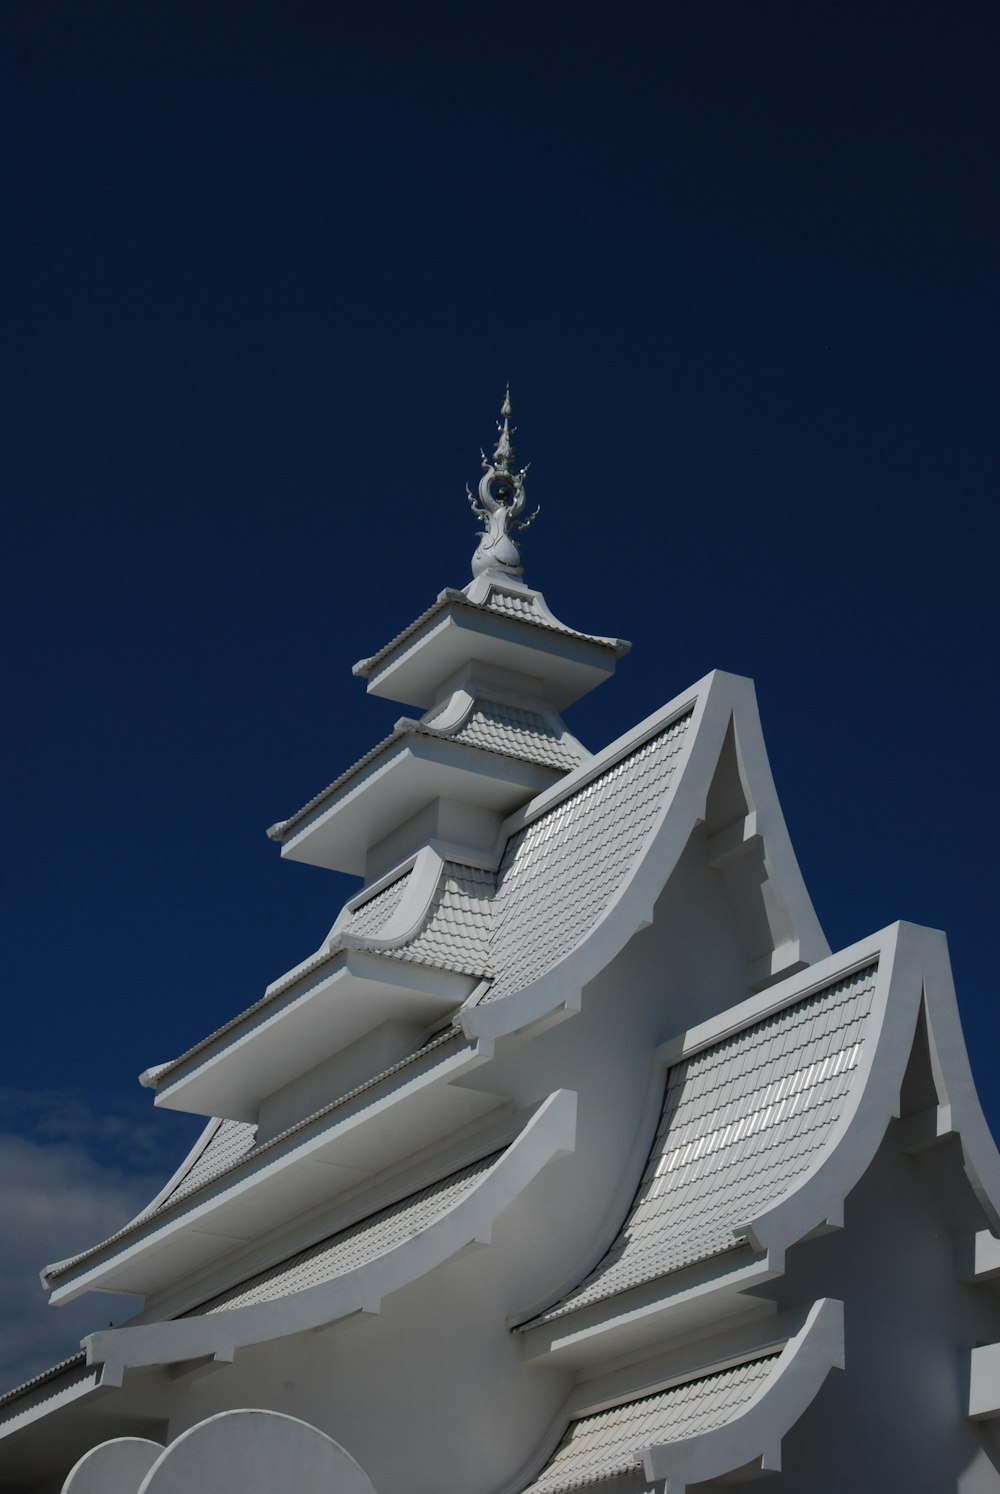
point(481, 1163)
point(79, 1358)
point(449, 595)
point(438, 1041)
point(406, 726)
point(345, 941)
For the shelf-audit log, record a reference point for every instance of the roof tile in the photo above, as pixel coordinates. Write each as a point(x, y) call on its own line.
point(518, 732)
point(372, 916)
point(610, 1443)
point(352, 1247)
point(229, 1143)
point(738, 1126)
point(561, 871)
point(455, 934)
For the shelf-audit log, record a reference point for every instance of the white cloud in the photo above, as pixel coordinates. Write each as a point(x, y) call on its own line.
point(69, 1177)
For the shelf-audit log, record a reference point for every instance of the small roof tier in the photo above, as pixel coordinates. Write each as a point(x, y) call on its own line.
point(491, 667)
point(495, 621)
point(491, 761)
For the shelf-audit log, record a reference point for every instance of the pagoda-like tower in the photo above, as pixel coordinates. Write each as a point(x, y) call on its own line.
point(573, 1159)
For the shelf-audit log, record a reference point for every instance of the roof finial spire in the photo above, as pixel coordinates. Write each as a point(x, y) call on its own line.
point(499, 503)
point(503, 453)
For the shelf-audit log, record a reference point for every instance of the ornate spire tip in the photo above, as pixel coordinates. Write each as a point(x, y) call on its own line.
point(499, 503)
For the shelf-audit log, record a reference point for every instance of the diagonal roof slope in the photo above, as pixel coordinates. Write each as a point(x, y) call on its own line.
point(561, 871)
point(741, 1120)
point(615, 825)
point(609, 1444)
point(712, 1423)
point(350, 1248)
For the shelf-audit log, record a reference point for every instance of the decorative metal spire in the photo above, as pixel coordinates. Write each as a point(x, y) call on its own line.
point(499, 503)
point(503, 452)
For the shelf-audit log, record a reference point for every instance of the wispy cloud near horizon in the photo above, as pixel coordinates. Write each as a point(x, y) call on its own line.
point(70, 1175)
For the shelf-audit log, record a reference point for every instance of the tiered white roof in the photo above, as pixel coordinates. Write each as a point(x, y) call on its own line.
point(581, 1012)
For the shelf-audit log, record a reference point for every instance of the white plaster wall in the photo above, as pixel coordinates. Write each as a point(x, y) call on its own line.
point(114, 1467)
point(254, 1452)
point(896, 1419)
point(377, 1050)
point(439, 1364)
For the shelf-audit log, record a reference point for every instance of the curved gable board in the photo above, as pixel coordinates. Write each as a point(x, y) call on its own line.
point(114, 1467)
point(913, 967)
point(217, 1146)
point(698, 1428)
point(715, 703)
point(549, 1134)
point(757, 1429)
point(959, 1110)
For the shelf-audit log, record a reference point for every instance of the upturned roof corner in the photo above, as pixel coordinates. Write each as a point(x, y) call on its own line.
point(573, 1108)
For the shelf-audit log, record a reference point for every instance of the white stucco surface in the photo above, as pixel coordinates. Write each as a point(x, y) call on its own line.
point(254, 1452)
point(571, 1159)
point(114, 1467)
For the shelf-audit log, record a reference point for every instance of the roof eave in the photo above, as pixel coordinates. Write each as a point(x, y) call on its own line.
point(361, 1139)
point(280, 1039)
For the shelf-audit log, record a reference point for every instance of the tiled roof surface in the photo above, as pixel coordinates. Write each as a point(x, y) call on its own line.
point(352, 1247)
point(76, 1362)
point(372, 916)
point(741, 1120)
point(519, 732)
point(455, 933)
point(516, 606)
point(610, 1443)
point(435, 1048)
point(557, 877)
point(230, 1142)
point(524, 609)
point(527, 609)
point(560, 872)
point(509, 743)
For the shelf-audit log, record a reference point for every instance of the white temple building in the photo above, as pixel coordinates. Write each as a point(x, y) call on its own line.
point(573, 1159)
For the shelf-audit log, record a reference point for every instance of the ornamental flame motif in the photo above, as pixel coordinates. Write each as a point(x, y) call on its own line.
point(499, 503)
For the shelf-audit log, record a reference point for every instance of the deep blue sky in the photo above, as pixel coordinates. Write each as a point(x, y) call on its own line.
point(267, 268)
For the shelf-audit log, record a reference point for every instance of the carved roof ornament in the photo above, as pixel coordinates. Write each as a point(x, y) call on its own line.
point(499, 503)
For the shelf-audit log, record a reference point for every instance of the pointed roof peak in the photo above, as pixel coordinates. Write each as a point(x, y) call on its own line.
point(503, 452)
point(498, 504)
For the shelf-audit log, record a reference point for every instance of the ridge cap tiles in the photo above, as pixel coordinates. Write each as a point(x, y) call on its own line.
point(364, 667)
point(440, 1040)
